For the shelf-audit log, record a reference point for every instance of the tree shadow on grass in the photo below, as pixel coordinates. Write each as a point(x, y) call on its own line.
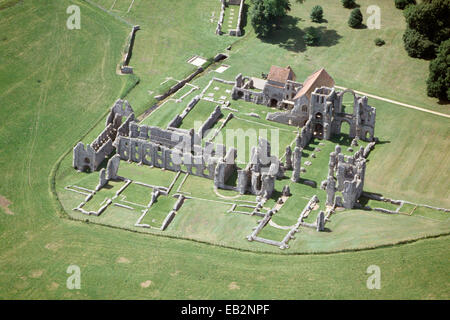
point(290, 37)
point(244, 20)
point(443, 102)
point(327, 37)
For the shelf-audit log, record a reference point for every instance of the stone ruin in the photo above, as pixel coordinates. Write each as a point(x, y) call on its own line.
point(314, 105)
point(224, 4)
point(124, 66)
point(259, 175)
point(90, 157)
point(177, 150)
point(327, 115)
point(346, 175)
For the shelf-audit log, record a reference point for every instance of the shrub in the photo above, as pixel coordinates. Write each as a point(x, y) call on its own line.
point(379, 42)
point(311, 36)
point(401, 4)
point(418, 45)
point(349, 4)
point(438, 83)
point(317, 14)
point(355, 19)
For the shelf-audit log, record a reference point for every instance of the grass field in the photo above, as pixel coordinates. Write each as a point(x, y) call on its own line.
point(57, 84)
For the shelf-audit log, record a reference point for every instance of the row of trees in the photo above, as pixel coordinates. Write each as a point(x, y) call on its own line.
point(426, 37)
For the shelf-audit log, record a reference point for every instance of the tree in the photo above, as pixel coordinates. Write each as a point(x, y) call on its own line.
point(311, 36)
point(317, 14)
point(266, 15)
point(349, 4)
point(438, 83)
point(427, 26)
point(418, 45)
point(401, 4)
point(355, 19)
point(259, 19)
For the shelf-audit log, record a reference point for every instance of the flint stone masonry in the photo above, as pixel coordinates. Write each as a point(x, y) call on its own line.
point(177, 120)
point(169, 218)
point(167, 138)
point(259, 176)
point(113, 167)
point(288, 157)
point(224, 4)
point(350, 175)
point(152, 154)
point(320, 222)
point(260, 226)
point(210, 122)
point(126, 59)
point(221, 17)
point(315, 105)
point(179, 203)
point(238, 31)
point(297, 164)
point(179, 85)
point(286, 191)
point(91, 156)
point(102, 180)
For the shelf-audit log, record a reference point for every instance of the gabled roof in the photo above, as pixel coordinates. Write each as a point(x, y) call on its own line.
point(318, 79)
point(281, 75)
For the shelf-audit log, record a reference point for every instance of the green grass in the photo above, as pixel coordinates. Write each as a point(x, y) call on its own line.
point(230, 19)
point(368, 68)
point(145, 174)
point(159, 211)
point(76, 70)
point(197, 116)
point(137, 194)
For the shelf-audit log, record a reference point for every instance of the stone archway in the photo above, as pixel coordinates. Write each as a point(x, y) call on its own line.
point(368, 136)
point(318, 130)
point(347, 104)
point(345, 123)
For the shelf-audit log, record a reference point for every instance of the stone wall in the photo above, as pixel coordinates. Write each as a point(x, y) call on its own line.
point(210, 122)
point(151, 154)
point(242, 90)
point(125, 68)
point(221, 17)
point(346, 174)
point(167, 138)
point(238, 31)
point(178, 119)
point(91, 156)
point(180, 84)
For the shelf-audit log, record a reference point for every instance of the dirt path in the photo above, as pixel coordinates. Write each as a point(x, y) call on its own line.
point(4, 203)
point(399, 103)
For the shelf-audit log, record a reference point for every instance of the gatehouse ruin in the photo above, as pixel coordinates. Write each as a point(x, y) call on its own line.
point(314, 104)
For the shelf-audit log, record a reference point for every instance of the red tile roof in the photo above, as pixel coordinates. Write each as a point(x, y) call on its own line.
point(318, 79)
point(281, 75)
